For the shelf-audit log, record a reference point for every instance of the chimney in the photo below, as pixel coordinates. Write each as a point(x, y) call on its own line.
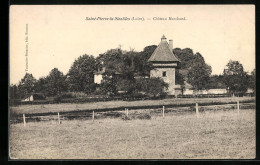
point(170, 44)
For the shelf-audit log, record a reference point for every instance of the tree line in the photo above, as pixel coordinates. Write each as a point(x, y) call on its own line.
point(129, 71)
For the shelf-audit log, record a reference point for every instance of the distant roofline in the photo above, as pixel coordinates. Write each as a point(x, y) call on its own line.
point(151, 59)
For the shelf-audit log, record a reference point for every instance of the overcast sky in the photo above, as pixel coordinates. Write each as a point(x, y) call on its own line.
point(57, 35)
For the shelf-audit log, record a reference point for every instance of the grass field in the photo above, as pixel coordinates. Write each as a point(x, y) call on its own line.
point(65, 107)
point(212, 135)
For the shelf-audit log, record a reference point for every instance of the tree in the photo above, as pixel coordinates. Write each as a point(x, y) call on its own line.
point(54, 83)
point(112, 61)
point(81, 74)
point(234, 68)
point(127, 85)
point(235, 79)
point(199, 73)
point(179, 77)
point(120, 70)
point(198, 76)
point(26, 85)
point(13, 92)
point(216, 81)
point(186, 57)
point(252, 81)
point(128, 64)
point(152, 87)
point(193, 69)
point(142, 66)
point(40, 85)
point(108, 85)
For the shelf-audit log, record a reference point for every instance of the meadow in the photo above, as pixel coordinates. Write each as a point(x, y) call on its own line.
point(211, 135)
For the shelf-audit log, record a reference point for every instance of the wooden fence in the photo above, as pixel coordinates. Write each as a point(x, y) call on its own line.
point(125, 113)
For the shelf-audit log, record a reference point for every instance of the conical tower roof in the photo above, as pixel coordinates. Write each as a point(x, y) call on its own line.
point(163, 53)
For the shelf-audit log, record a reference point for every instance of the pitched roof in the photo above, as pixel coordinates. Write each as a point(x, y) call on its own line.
point(163, 53)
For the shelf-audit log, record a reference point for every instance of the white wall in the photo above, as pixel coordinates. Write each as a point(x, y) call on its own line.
point(210, 91)
point(29, 98)
point(97, 78)
point(170, 77)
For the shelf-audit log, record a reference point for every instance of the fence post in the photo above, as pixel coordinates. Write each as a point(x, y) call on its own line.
point(163, 111)
point(24, 121)
point(127, 112)
point(238, 107)
point(197, 109)
point(93, 116)
point(58, 117)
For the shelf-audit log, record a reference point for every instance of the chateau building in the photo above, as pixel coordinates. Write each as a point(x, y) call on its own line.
point(164, 63)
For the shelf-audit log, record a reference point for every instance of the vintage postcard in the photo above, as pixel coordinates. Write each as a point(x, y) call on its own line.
point(132, 82)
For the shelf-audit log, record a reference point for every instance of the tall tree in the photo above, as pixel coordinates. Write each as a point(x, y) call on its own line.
point(216, 81)
point(55, 83)
point(128, 70)
point(26, 85)
point(185, 56)
point(193, 69)
point(142, 65)
point(13, 92)
point(198, 76)
point(199, 72)
point(108, 85)
point(234, 68)
point(179, 78)
point(40, 85)
point(112, 62)
point(235, 79)
point(81, 74)
point(252, 81)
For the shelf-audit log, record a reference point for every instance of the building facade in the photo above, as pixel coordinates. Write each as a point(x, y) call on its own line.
point(164, 63)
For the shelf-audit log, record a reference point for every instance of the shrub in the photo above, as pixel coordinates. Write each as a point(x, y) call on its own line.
point(39, 96)
point(153, 87)
point(138, 95)
point(126, 118)
point(57, 99)
point(79, 94)
point(192, 108)
point(143, 116)
point(67, 95)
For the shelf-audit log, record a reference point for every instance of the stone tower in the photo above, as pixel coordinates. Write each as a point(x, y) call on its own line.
point(164, 63)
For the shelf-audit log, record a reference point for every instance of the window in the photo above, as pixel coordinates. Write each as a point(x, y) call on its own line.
point(164, 74)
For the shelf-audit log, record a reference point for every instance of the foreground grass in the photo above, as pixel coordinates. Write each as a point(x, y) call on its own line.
point(65, 107)
point(213, 135)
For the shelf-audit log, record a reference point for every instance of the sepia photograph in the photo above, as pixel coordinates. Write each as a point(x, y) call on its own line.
point(132, 82)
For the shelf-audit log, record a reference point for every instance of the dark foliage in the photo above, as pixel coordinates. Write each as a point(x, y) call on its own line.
point(81, 74)
point(235, 79)
point(193, 69)
point(26, 86)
